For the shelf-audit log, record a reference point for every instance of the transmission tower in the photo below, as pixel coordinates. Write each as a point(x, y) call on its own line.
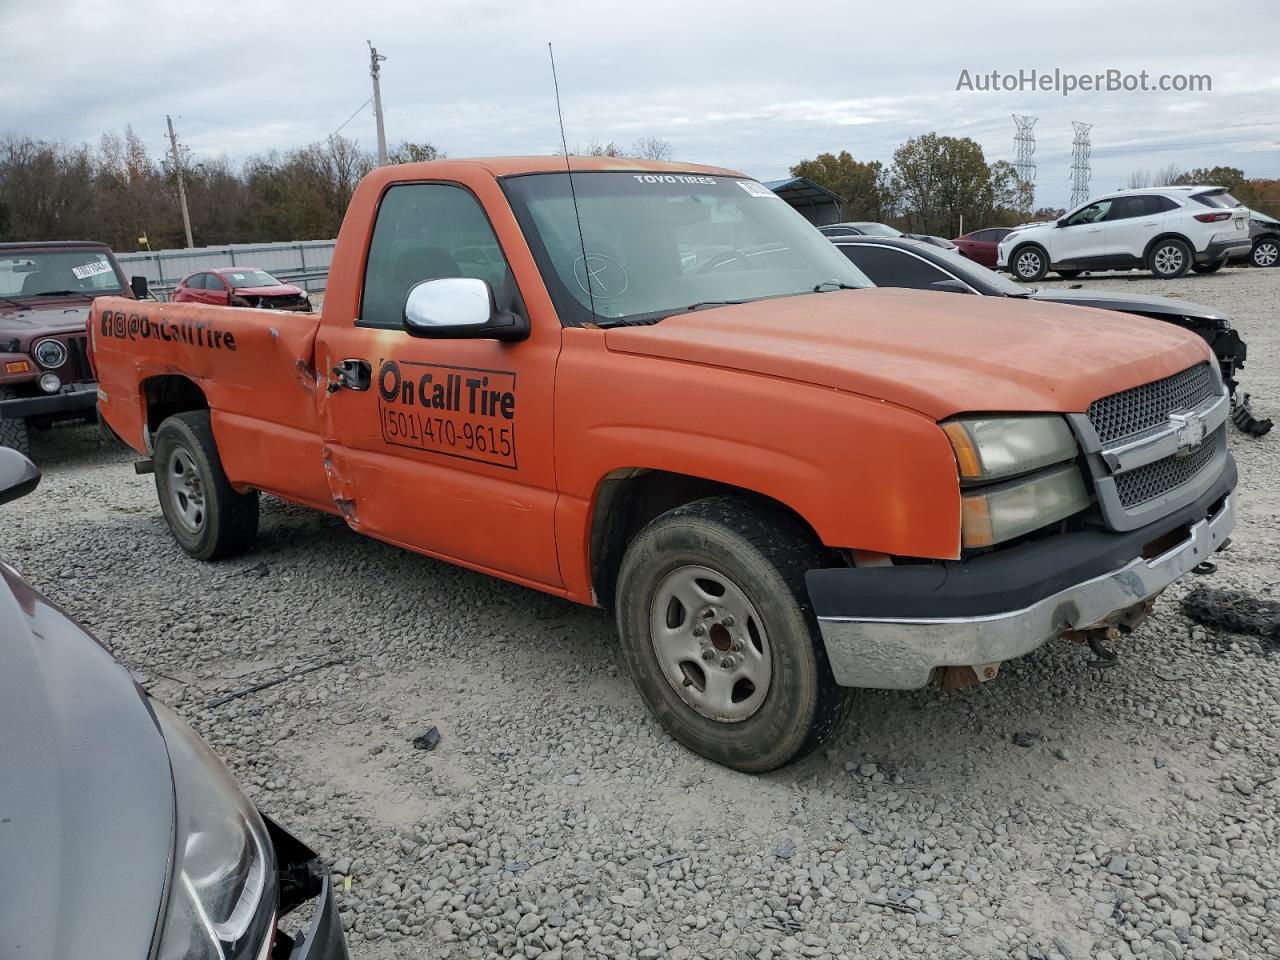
point(1080, 148)
point(1025, 164)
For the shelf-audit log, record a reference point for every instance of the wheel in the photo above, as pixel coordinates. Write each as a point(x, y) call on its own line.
point(13, 432)
point(1030, 263)
point(719, 637)
point(1068, 274)
point(1169, 259)
point(205, 515)
point(1265, 253)
point(1208, 267)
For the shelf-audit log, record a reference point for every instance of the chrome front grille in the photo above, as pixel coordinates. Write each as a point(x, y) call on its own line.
point(1146, 483)
point(1132, 411)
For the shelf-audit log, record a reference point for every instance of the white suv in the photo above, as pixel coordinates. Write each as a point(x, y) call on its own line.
point(1164, 229)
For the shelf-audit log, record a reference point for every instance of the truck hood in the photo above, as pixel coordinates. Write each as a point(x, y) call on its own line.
point(277, 290)
point(86, 796)
point(43, 318)
point(936, 353)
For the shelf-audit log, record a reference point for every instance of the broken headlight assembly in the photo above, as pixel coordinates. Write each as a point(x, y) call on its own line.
point(1017, 475)
point(221, 899)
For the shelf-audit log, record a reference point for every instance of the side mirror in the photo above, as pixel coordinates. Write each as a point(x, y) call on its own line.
point(139, 287)
point(18, 475)
point(1061, 223)
point(459, 308)
point(950, 285)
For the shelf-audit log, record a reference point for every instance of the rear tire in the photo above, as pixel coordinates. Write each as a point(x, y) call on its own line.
point(205, 514)
point(1029, 263)
point(719, 637)
point(1169, 259)
point(14, 433)
point(1266, 253)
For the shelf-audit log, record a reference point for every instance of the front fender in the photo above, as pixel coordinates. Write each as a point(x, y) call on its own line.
point(862, 473)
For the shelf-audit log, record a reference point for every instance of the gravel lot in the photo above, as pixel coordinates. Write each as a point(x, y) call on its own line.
point(555, 819)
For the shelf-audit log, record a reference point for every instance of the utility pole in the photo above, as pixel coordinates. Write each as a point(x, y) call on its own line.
point(374, 71)
point(182, 187)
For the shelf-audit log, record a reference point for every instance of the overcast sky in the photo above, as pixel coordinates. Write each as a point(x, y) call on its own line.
point(753, 86)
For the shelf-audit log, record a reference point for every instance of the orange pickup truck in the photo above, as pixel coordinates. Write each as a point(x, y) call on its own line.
point(656, 388)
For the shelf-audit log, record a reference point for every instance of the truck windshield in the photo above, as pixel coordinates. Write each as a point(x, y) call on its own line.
point(31, 273)
point(661, 243)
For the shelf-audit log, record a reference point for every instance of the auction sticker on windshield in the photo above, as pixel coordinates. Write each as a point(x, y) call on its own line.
point(91, 269)
point(456, 411)
point(756, 189)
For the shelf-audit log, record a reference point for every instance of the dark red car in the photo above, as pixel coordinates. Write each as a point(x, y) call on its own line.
point(980, 245)
point(241, 287)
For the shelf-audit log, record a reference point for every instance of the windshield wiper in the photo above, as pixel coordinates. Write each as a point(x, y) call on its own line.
point(714, 303)
point(62, 293)
point(835, 285)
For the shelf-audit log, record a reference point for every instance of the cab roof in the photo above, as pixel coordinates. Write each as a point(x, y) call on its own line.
point(515, 166)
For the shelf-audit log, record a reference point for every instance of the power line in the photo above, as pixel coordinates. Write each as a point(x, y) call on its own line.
point(352, 117)
point(1025, 164)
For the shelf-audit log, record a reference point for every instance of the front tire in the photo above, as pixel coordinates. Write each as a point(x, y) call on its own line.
point(1266, 253)
point(1169, 259)
point(13, 432)
point(719, 637)
point(205, 514)
point(1029, 263)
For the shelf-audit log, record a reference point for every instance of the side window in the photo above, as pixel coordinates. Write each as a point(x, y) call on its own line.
point(1090, 214)
point(1126, 208)
point(428, 231)
point(892, 268)
point(1160, 205)
point(987, 236)
point(200, 281)
point(214, 282)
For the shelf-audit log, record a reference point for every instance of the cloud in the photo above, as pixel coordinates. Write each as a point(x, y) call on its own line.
point(747, 84)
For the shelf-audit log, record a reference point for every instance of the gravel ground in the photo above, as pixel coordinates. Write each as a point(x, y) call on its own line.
point(1134, 815)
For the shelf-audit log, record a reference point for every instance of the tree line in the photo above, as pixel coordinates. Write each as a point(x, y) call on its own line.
point(118, 193)
point(937, 183)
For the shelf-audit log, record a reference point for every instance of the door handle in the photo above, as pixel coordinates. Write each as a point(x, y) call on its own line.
point(1150, 223)
point(1096, 230)
point(354, 374)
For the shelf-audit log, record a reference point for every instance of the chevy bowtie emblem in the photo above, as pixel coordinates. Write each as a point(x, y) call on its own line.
point(1191, 431)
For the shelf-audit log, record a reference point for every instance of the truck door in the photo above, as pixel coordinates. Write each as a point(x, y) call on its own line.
point(448, 447)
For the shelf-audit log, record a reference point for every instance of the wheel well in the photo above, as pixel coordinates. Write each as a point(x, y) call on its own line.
point(1022, 246)
point(628, 499)
point(170, 394)
point(1146, 254)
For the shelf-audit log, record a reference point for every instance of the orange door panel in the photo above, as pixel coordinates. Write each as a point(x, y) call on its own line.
point(449, 450)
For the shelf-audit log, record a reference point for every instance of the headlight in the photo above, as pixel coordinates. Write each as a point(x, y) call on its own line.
point(50, 353)
point(50, 382)
point(993, 448)
point(222, 894)
point(991, 515)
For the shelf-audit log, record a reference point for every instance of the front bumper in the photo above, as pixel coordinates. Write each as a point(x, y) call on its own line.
point(302, 878)
point(891, 627)
point(74, 398)
point(1225, 249)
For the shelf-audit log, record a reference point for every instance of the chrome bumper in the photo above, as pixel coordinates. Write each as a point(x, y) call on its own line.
point(901, 654)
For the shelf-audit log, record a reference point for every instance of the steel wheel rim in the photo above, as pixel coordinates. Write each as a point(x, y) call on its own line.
point(710, 643)
point(186, 491)
point(1169, 259)
point(1028, 264)
point(1266, 253)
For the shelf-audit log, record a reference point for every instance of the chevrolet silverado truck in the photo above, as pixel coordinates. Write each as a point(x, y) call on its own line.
point(656, 388)
point(45, 292)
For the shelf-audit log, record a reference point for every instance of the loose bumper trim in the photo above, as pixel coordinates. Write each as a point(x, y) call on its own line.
point(322, 940)
point(902, 652)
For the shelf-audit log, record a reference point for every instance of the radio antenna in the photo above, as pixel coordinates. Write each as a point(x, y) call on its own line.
point(564, 145)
